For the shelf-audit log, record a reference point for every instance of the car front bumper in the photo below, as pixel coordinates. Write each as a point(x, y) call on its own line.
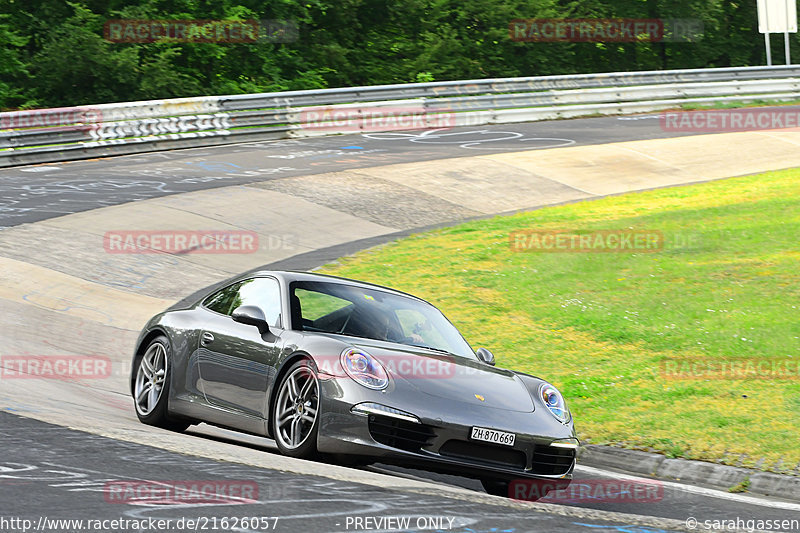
point(440, 440)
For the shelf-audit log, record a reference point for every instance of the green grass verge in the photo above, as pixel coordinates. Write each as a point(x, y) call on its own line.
point(740, 104)
point(601, 325)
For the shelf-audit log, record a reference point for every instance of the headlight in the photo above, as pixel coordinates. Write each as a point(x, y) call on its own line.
point(554, 402)
point(364, 369)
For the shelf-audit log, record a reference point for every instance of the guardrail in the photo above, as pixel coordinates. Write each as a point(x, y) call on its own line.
point(45, 135)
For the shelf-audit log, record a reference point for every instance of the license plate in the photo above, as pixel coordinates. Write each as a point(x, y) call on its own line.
point(493, 436)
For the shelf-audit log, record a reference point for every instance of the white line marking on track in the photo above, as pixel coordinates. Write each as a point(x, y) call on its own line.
point(702, 491)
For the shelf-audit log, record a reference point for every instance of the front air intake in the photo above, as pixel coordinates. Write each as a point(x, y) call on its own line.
point(552, 461)
point(408, 436)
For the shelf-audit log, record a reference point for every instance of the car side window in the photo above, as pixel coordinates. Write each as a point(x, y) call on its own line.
point(262, 292)
point(222, 301)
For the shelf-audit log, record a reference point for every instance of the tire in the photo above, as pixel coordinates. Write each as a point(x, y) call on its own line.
point(151, 386)
point(352, 461)
point(295, 413)
point(524, 490)
point(495, 487)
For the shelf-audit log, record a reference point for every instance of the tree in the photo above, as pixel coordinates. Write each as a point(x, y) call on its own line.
point(14, 80)
point(53, 53)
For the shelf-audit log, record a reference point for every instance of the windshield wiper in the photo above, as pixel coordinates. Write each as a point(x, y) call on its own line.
point(432, 348)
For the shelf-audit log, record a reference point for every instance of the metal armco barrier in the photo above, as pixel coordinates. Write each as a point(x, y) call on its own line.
point(46, 135)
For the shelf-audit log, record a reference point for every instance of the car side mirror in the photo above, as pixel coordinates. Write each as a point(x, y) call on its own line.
point(485, 355)
point(251, 315)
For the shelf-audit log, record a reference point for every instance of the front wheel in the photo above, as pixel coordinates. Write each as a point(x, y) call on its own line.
point(151, 388)
point(529, 490)
point(496, 487)
point(295, 415)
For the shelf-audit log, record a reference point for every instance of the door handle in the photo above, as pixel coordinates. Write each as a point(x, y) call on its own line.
point(207, 338)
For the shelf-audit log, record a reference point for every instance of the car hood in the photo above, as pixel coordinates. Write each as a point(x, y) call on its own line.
point(452, 377)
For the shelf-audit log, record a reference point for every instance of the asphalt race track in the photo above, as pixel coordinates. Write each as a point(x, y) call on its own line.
point(65, 475)
point(30, 194)
point(65, 472)
point(50, 471)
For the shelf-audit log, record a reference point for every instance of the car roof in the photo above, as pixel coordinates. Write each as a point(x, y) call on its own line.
point(288, 276)
point(297, 275)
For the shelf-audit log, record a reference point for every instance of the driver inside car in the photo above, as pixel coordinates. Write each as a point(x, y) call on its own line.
point(389, 330)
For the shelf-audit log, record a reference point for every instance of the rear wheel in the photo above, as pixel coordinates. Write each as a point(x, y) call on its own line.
point(295, 415)
point(151, 387)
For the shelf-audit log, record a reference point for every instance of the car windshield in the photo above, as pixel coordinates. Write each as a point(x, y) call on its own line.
point(342, 309)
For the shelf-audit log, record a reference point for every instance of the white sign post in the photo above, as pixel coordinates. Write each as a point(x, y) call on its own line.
point(777, 16)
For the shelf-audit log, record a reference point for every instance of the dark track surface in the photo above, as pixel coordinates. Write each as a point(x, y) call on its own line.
point(65, 474)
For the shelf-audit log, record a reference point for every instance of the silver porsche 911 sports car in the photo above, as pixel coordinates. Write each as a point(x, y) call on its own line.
point(326, 365)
